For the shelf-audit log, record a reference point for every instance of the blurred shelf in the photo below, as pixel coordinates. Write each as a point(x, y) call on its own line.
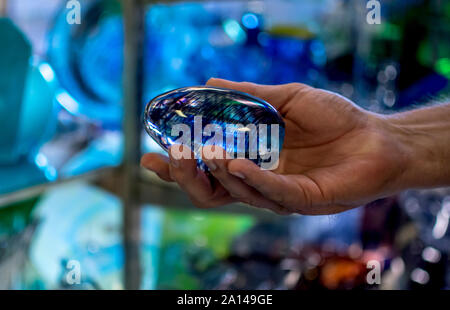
point(29, 192)
point(152, 190)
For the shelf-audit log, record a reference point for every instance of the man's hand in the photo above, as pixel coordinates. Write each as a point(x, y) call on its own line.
point(335, 156)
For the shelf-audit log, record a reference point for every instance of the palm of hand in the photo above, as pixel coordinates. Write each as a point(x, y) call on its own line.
point(331, 148)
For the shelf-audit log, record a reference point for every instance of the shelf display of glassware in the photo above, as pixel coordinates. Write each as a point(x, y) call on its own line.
point(84, 69)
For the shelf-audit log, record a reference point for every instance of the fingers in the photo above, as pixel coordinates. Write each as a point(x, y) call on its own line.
point(237, 188)
point(278, 188)
point(184, 171)
point(277, 95)
point(241, 191)
point(328, 210)
point(297, 194)
point(240, 180)
point(157, 163)
point(195, 182)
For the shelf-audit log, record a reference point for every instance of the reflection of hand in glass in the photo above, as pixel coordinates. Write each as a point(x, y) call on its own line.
point(335, 156)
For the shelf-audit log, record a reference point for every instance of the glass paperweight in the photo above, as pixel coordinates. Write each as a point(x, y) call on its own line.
point(243, 125)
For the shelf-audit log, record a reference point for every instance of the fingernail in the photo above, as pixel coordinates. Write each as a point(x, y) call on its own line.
point(175, 163)
point(238, 174)
point(212, 166)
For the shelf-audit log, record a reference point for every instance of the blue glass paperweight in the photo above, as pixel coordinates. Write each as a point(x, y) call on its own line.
point(243, 125)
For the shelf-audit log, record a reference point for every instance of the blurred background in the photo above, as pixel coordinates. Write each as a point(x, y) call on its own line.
point(77, 211)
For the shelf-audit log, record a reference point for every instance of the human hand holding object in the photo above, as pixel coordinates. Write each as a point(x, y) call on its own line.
point(336, 156)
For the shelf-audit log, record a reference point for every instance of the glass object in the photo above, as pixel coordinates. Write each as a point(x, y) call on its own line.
point(27, 112)
point(245, 126)
point(231, 40)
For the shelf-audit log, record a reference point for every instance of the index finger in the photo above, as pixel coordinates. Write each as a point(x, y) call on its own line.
point(194, 181)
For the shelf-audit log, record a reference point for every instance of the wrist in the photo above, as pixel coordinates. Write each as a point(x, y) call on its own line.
point(420, 139)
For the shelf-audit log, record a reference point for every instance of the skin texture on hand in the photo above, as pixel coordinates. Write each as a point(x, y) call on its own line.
point(336, 156)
